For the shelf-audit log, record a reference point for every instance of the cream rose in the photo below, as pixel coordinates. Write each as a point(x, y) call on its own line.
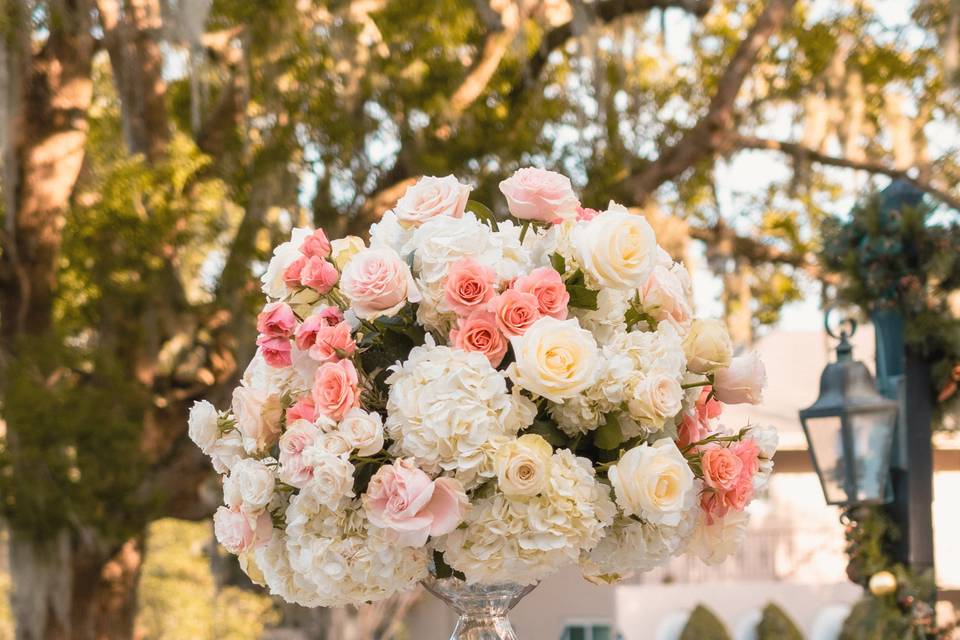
point(707, 347)
point(654, 482)
point(743, 381)
point(431, 197)
point(617, 248)
point(363, 431)
point(258, 417)
point(342, 250)
point(249, 486)
point(556, 359)
point(523, 465)
point(657, 397)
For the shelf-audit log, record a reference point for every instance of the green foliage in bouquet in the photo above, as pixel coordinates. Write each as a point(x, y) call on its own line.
point(777, 625)
point(704, 624)
point(895, 254)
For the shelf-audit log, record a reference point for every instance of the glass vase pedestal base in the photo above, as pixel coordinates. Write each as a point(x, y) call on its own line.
point(483, 608)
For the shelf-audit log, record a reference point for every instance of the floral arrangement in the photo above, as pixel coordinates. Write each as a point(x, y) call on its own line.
point(481, 398)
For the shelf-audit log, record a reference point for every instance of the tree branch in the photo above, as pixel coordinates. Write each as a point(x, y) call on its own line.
point(799, 151)
point(713, 130)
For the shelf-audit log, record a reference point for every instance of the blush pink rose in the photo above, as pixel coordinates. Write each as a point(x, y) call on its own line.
point(335, 389)
point(306, 335)
point(469, 286)
point(319, 274)
point(431, 197)
point(548, 287)
point(291, 275)
point(515, 311)
point(300, 435)
point(664, 296)
point(378, 283)
point(479, 332)
point(721, 467)
point(403, 499)
point(538, 194)
point(276, 350)
point(277, 319)
point(302, 409)
point(743, 381)
point(239, 532)
point(316, 245)
point(332, 343)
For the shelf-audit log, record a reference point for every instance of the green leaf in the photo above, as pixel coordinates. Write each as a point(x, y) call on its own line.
point(549, 432)
point(442, 570)
point(609, 435)
point(558, 263)
point(582, 297)
point(483, 213)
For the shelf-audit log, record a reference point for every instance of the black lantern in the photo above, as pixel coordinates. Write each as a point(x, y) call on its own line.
point(850, 429)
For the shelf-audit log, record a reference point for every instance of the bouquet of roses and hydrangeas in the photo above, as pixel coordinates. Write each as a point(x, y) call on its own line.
point(481, 398)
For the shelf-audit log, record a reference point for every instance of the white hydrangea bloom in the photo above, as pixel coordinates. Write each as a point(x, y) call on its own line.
point(714, 543)
point(607, 322)
point(339, 558)
point(389, 233)
point(630, 546)
point(443, 240)
point(449, 410)
point(513, 258)
point(524, 539)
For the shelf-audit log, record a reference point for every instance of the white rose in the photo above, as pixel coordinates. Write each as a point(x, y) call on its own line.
point(441, 241)
point(431, 197)
point(618, 249)
point(707, 346)
point(249, 486)
point(766, 438)
point(363, 431)
point(714, 543)
point(523, 465)
point(332, 477)
point(227, 451)
point(333, 443)
point(556, 359)
point(655, 398)
point(388, 233)
point(743, 381)
point(283, 256)
point(654, 482)
point(202, 425)
point(343, 249)
point(258, 418)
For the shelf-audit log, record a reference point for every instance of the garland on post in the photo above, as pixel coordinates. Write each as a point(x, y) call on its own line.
point(896, 253)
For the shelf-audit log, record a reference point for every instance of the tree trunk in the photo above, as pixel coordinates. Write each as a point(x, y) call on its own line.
point(73, 589)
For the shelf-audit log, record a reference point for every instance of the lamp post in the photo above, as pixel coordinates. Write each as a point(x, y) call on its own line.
point(850, 430)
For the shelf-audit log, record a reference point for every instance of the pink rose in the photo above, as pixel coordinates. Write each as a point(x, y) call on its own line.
point(749, 453)
point(585, 214)
point(538, 194)
point(696, 424)
point(721, 467)
point(479, 332)
point(717, 502)
point(306, 335)
point(378, 283)
point(316, 245)
point(239, 532)
point(319, 274)
point(743, 381)
point(335, 389)
point(431, 197)
point(331, 343)
point(299, 435)
point(664, 296)
point(302, 409)
point(276, 319)
point(548, 287)
point(515, 311)
point(402, 498)
point(291, 275)
point(276, 350)
point(469, 286)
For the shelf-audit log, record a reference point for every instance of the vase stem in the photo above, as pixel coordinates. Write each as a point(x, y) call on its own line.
point(493, 627)
point(483, 609)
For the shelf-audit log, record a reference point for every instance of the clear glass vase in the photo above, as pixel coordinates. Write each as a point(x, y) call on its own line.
point(483, 608)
